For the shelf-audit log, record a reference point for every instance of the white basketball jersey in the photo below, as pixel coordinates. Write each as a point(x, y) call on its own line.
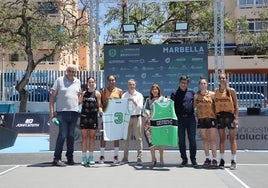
point(115, 120)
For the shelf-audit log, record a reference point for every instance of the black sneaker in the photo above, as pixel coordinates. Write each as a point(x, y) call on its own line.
point(58, 163)
point(70, 162)
point(194, 163)
point(139, 161)
point(214, 164)
point(222, 162)
point(183, 163)
point(206, 163)
point(233, 165)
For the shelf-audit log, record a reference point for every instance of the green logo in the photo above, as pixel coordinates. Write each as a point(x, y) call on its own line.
point(118, 118)
point(112, 52)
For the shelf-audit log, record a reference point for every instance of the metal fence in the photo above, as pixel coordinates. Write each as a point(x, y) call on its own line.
point(251, 88)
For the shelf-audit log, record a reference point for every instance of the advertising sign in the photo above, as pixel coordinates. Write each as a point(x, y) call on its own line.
point(31, 123)
point(161, 64)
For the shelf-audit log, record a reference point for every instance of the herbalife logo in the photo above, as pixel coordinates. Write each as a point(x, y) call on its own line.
point(29, 121)
point(112, 52)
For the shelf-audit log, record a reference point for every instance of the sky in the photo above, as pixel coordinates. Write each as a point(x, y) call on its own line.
point(103, 30)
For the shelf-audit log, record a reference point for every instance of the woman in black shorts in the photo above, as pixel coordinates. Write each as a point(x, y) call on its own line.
point(91, 106)
point(205, 108)
point(226, 106)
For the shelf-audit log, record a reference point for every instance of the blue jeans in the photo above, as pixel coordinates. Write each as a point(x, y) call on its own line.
point(68, 122)
point(187, 124)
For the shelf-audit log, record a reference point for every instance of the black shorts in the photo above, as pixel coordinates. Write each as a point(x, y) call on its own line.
point(206, 123)
point(225, 119)
point(89, 121)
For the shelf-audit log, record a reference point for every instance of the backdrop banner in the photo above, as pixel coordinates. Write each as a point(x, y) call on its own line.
point(162, 64)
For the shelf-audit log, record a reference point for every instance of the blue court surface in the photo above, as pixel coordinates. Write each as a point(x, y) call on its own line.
point(28, 164)
point(26, 143)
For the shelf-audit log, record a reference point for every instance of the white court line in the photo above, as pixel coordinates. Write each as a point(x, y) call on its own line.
point(241, 164)
point(237, 179)
point(6, 171)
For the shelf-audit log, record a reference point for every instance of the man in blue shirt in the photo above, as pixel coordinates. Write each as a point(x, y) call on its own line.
point(183, 101)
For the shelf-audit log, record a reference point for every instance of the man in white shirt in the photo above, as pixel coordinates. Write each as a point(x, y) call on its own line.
point(135, 124)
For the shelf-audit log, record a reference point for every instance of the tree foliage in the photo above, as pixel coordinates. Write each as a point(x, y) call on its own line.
point(25, 26)
point(256, 42)
point(157, 18)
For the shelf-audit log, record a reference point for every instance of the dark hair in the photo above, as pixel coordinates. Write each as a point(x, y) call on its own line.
point(158, 88)
point(108, 77)
point(228, 90)
point(222, 74)
point(91, 78)
point(202, 78)
point(184, 77)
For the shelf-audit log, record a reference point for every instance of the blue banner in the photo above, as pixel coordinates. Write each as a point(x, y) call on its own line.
point(161, 64)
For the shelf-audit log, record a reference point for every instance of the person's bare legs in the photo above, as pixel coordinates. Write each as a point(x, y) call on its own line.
point(161, 153)
point(212, 141)
point(222, 140)
point(204, 134)
point(92, 135)
point(84, 133)
point(152, 150)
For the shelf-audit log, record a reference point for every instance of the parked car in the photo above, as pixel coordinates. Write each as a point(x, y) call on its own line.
point(251, 99)
point(38, 94)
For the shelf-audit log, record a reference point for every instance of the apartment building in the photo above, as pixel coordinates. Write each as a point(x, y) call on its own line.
point(238, 62)
point(14, 60)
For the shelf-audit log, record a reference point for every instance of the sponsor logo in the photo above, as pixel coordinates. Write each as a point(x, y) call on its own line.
point(196, 67)
point(180, 59)
point(197, 59)
point(147, 68)
point(112, 52)
point(172, 68)
point(171, 75)
point(143, 75)
point(124, 69)
point(156, 75)
point(184, 49)
point(153, 61)
point(251, 133)
point(133, 61)
point(28, 123)
point(116, 61)
point(167, 60)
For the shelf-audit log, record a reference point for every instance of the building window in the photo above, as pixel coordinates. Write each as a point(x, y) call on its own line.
point(246, 3)
point(255, 26)
point(48, 7)
point(251, 26)
point(261, 2)
point(251, 3)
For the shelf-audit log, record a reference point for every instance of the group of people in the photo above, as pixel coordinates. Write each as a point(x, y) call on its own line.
point(214, 111)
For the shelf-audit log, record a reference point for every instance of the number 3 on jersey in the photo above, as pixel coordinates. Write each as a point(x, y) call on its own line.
point(118, 118)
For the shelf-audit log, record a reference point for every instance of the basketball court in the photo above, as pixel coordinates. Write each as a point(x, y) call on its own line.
point(30, 166)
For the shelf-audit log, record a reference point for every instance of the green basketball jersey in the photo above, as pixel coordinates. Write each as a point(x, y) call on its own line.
point(164, 124)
